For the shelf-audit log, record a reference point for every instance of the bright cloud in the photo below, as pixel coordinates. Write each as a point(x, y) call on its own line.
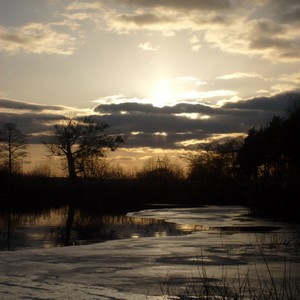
point(36, 38)
point(81, 5)
point(240, 75)
point(148, 47)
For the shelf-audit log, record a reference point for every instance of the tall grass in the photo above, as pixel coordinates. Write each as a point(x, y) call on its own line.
point(239, 287)
point(250, 283)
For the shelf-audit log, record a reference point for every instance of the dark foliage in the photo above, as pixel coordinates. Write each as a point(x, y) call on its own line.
point(273, 150)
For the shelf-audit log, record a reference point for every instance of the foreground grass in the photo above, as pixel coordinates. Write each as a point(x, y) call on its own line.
point(239, 287)
point(248, 282)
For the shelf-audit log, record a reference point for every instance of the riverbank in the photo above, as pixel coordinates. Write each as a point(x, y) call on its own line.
point(264, 196)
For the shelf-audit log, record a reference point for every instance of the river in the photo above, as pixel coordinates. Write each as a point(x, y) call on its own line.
point(166, 253)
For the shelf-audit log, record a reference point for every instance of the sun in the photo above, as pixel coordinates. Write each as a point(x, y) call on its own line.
point(163, 94)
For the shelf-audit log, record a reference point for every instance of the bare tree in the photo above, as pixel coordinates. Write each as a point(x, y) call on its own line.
point(12, 146)
point(215, 159)
point(160, 168)
point(78, 140)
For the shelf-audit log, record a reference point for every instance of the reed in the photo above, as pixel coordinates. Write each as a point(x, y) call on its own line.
point(247, 285)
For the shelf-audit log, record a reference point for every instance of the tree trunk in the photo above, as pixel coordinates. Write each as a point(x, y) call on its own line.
point(71, 168)
point(9, 159)
point(71, 164)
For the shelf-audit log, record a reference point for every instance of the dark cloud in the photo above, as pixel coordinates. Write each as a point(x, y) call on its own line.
point(266, 26)
point(32, 119)
point(13, 104)
point(174, 126)
point(267, 34)
point(275, 104)
point(288, 10)
point(36, 127)
point(265, 42)
point(180, 4)
point(292, 16)
point(144, 125)
point(134, 107)
point(145, 19)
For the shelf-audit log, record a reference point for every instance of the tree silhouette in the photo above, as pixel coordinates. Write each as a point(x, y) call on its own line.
point(274, 149)
point(292, 130)
point(215, 159)
point(160, 169)
point(77, 140)
point(274, 146)
point(12, 146)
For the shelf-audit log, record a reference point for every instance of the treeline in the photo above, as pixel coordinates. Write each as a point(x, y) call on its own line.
point(260, 170)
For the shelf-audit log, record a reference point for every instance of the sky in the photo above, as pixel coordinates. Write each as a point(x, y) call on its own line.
point(166, 74)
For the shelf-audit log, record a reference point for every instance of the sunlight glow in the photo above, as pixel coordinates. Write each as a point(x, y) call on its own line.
point(161, 133)
point(193, 116)
point(187, 143)
point(169, 92)
point(163, 94)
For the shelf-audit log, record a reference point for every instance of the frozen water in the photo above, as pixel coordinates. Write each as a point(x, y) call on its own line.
point(223, 239)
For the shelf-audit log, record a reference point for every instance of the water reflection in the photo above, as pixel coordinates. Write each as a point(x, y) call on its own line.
point(70, 226)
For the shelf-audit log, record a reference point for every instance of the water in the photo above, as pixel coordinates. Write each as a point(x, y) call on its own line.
point(62, 226)
point(51, 228)
point(156, 251)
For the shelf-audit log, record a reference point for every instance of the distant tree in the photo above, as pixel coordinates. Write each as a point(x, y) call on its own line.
point(99, 167)
point(80, 140)
point(160, 169)
point(214, 159)
point(42, 170)
point(12, 147)
point(203, 163)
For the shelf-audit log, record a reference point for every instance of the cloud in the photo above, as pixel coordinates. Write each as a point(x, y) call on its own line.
point(77, 16)
point(142, 122)
point(148, 47)
point(275, 40)
point(237, 75)
point(35, 125)
point(179, 4)
point(228, 27)
point(195, 42)
point(36, 38)
point(292, 16)
point(18, 105)
point(163, 20)
point(293, 78)
point(287, 11)
point(264, 38)
point(34, 119)
point(133, 107)
point(81, 5)
point(144, 125)
point(175, 90)
point(277, 104)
